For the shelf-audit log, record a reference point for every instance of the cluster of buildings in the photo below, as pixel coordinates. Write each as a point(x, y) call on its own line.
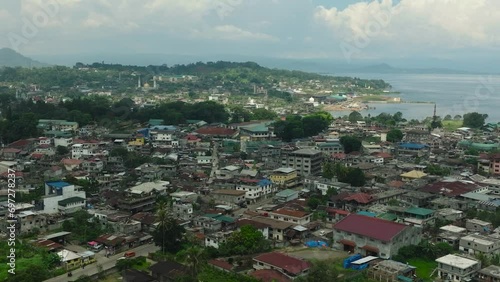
point(221, 177)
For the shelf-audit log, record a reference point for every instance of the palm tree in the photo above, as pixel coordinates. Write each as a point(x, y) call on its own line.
point(194, 257)
point(163, 217)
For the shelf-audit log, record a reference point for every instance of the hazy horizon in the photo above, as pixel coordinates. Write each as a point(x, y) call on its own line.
point(458, 34)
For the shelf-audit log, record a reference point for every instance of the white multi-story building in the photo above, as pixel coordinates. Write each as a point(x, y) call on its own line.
point(457, 268)
point(65, 142)
point(62, 197)
point(86, 151)
point(255, 189)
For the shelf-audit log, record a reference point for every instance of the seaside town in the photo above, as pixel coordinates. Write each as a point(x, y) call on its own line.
point(219, 185)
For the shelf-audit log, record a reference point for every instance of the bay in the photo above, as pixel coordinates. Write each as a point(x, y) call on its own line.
point(454, 94)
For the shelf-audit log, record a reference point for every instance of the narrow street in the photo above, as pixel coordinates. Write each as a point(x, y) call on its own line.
point(106, 263)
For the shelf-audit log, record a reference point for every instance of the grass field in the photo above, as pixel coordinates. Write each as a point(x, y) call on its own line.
point(424, 268)
point(451, 125)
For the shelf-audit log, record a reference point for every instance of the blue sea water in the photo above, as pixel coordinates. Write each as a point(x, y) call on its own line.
point(454, 94)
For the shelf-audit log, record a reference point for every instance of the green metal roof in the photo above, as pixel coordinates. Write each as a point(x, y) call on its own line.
point(286, 193)
point(71, 200)
point(419, 211)
point(263, 127)
point(329, 145)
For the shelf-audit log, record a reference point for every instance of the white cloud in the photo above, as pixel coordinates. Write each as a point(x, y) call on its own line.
point(232, 33)
point(444, 23)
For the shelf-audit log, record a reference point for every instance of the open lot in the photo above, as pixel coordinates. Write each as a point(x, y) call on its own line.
point(316, 253)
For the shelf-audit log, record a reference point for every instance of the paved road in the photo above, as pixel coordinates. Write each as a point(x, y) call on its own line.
point(106, 263)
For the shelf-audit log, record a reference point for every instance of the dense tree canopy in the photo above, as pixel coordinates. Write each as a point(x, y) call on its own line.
point(355, 116)
point(248, 240)
point(394, 135)
point(350, 143)
point(474, 120)
point(296, 126)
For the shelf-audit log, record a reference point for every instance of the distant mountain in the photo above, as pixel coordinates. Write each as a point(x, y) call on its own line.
point(11, 58)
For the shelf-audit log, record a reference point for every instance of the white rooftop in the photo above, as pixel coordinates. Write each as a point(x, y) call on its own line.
point(148, 187)
point(478, 239)
point(457, 261)
point(182, 194)
point(231, 168)
point(284, 170)
point(453, 228)
point(66, 255)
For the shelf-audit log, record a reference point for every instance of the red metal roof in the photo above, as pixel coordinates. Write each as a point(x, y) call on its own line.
point(293, 213)
point(288, 263)
point(347, 242)
point(222, 264)
point(370, 248)
point(269, 275)
point(361, 198)
point(451, 188)
point(370, 227)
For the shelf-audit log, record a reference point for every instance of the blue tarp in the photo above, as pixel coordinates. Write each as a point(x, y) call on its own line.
point(314, 244)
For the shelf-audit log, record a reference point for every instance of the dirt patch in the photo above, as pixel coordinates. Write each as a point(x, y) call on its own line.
point(316, 253)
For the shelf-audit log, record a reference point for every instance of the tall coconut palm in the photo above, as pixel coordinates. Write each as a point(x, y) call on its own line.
point(194, 258)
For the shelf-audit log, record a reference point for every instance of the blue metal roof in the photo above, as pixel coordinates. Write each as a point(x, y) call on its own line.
point(265, 182)
point(412, 146)
point(57, 184)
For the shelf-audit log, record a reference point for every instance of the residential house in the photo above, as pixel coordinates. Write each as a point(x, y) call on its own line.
point(229, 196)
point(457, 268)
point(142, 197)
point(287, 265)
point(182, 211)
point(217, 238)
point(474, 244)
point(227, 172)
point(29, 221)
point(489, 274)
point(168, 271)
point(277, 228)
point(71, 164)
point(255, 189)
point(373, 236)
point(289, 215)
point(476, 225)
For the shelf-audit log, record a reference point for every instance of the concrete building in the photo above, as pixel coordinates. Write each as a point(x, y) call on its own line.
point(285, 196)
point(476, 225)
point(62, 197)
point(288, 215)
point(305, 161)
point(284, 177)
point(183, 211)
point(256, 189)
point(489, 274)
point(229, 196)
point(457, 268)
point(373, 236)
point(477, 244)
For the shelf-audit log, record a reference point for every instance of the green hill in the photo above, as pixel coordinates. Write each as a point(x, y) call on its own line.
point(11, 58)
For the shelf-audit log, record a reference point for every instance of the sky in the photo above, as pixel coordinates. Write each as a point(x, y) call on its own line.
point(348, 30)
